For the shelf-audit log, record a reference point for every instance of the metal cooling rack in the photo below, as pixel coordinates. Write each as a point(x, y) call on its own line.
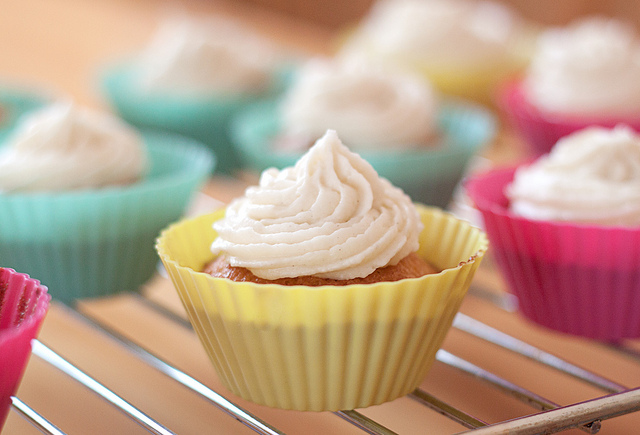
point(547, 417)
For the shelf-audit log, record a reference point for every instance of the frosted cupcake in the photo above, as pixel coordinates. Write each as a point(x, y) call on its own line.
point(391, 118)
point(277, 341)
point(83, 196)
point(464, 47)
point(23, 305)
point(565, 231)
point(192, 77)
point(581, 75)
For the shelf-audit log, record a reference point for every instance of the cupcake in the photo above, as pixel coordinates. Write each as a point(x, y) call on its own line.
point(192, 77)
point(565, 232)
point(276, 339)
point(23, 305)
point(83, 196)
point(391, 118)
point(580, 75)
point(464, 47)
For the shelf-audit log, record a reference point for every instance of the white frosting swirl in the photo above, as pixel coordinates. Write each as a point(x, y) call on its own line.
point(592, 176)
point(212, 55)
point(329, 216)
point(371, 107)
point(448, 32)
point(590, 67)
point(64, 147)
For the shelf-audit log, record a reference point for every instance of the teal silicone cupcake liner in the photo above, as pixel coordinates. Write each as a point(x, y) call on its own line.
point(15, 102)
point(428, 175)
point(205, 119)
point(91, 243)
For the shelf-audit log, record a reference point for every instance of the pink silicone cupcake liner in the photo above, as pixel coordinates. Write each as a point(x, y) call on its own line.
point(23, 305)
point(540, 130)
point(574, 278)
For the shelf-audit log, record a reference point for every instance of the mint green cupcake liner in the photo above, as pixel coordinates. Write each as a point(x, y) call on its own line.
point(15, 102)
point(205, 119)
point(428, 175)
point(98, 242)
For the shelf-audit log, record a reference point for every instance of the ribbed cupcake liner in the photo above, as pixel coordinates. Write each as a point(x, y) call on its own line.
point(323, 348)
point(429, 175)
point(97, 242)
point(203, 118)
point(23, 305)
point(541, 130)
point(574, 278)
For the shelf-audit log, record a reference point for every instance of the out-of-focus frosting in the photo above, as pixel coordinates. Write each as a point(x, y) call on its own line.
point(447, 32)
point(590, 67)
point(63, 147)
point(206, 56)
point(592, 176)
point(371, 107)
point(329, 216)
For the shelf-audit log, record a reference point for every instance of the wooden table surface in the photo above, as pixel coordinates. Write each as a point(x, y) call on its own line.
point(60, 45)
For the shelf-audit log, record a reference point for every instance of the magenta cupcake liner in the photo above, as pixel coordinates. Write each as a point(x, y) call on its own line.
point(542, 130)
point(578, 279)
point(23, 305)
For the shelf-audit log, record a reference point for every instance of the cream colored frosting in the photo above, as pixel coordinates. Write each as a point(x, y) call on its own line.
point(64, 147)
point(590, 67)
point(205, 56)
point(371, 107)
point(458, 32)
point(329, 216)
point(592, 176)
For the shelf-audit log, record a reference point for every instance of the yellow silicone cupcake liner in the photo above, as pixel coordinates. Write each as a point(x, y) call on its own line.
point(323, 348)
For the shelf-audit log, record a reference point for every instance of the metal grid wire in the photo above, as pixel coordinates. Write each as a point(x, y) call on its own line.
point(550, 418)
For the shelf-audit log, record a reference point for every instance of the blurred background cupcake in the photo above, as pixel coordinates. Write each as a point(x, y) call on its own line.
point(392, 118)
point(83, 196)
point(326, 239)
point(464, 47)
point(585, 73)
point(23, 305)
point(565, 231)
point(193, 76)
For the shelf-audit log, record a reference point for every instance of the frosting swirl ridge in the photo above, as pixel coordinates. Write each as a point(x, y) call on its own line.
point(592, 176)
point(329, 216)
point(64, 147)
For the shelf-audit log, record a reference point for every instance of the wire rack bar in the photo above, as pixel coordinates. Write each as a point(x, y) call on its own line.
point(48, 355)
point(567, 417)
point(38, 421)
point(445, 409)
point(364, 423)
point(494, 336)
point(530, 398)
